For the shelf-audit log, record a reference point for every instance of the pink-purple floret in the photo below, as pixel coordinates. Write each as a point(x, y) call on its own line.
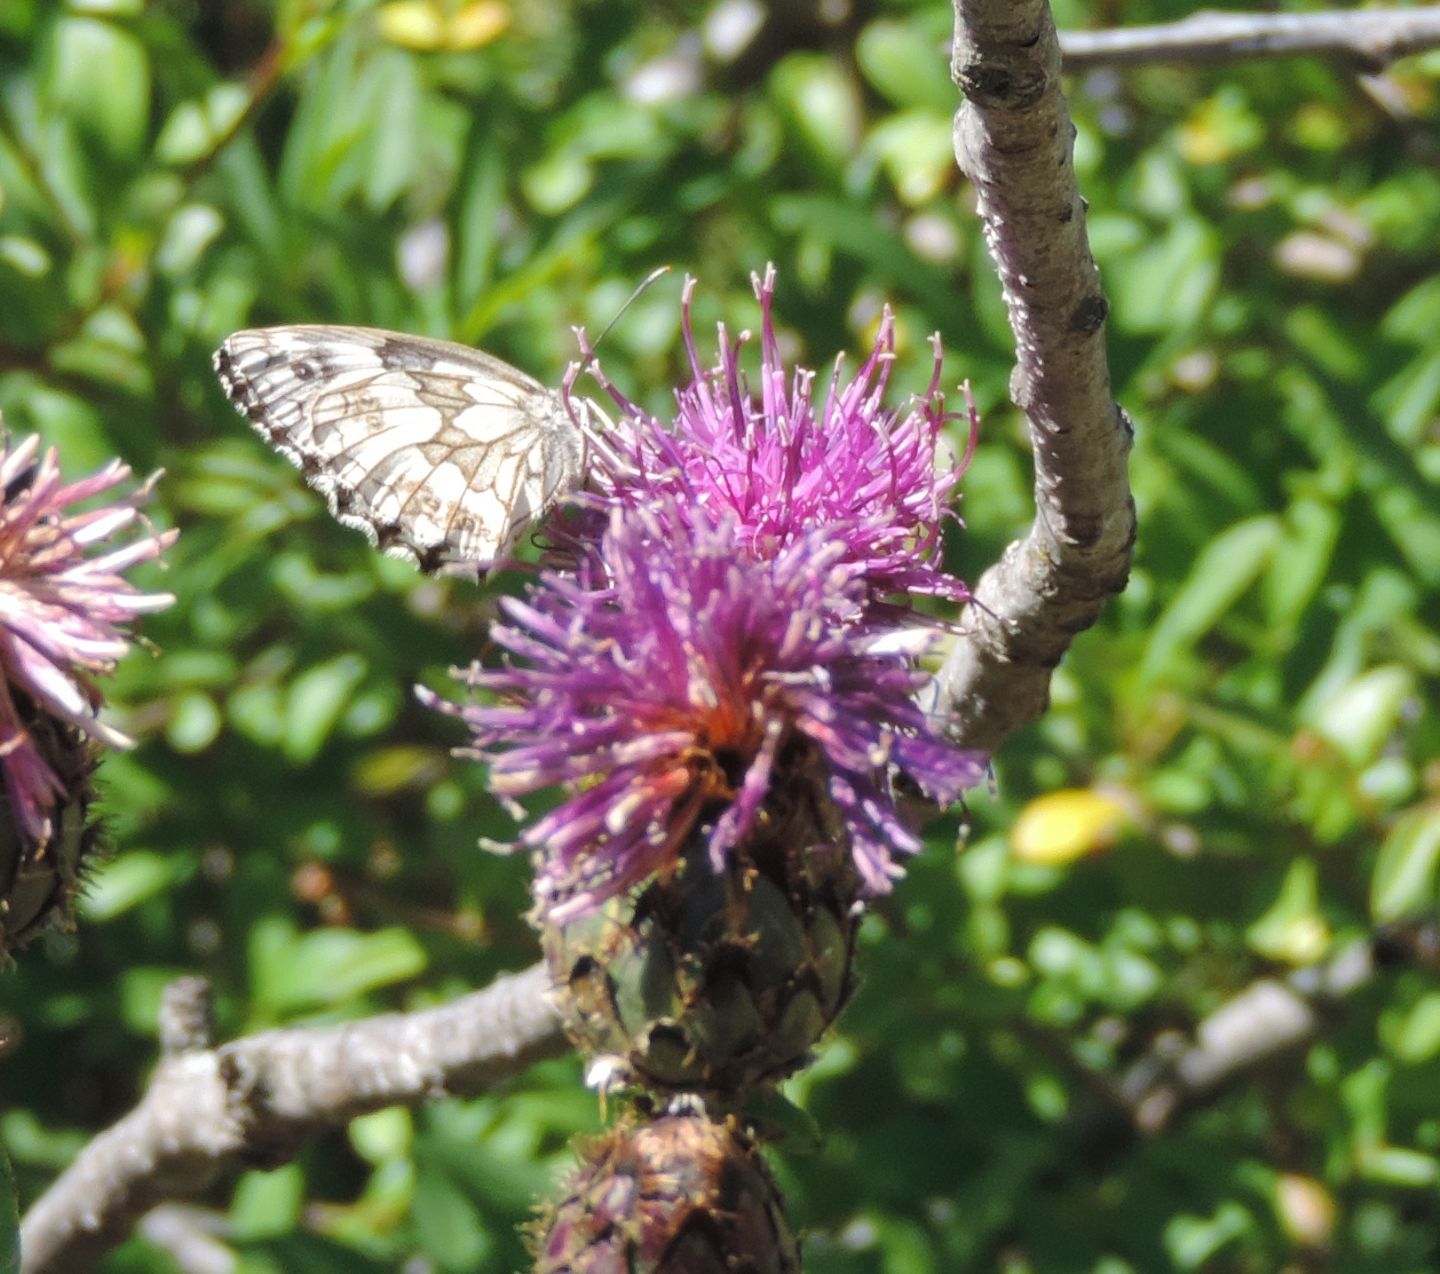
point(876, 477)
point(62, 612)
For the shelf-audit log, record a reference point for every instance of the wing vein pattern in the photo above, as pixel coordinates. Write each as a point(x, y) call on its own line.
point(437, 452)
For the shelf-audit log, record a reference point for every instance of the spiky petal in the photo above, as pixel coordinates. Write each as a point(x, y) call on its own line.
point(879, 481)
point(64, 609)
point(677, 682)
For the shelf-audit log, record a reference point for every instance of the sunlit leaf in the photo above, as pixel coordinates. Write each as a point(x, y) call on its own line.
point(266, 1204)
point(1367, 711)
point(1223, 572)
point(99, 79)
point(1293, 930)
point(1404, 880)
point(316, 701)
point(127, 880)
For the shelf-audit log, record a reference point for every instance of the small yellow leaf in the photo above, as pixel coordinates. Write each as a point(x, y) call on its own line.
point(477, 24)
point(1060, 827)
point(413, 24)
point(430, 25)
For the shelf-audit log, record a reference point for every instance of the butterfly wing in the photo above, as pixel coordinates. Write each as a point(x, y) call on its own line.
point(439, 453)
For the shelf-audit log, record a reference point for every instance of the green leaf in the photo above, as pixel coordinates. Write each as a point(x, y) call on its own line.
point(256, 711)
point(267, 1204)
point(25, 256)
point(1318, 333)
point(383, 1136)
point(9, 1218)
point(1397, 1166)
point(476, 230)
point(1192, 1241)
point(1362, 715)
point(899, 59)
point(776, 1120)
point(316, 702)
point(558, 181)
point(1168, 285)
point(455, 1234)
point(195, 128)
point(1410, 517)
point(1403, 883)
point(1410, 400)
point(1416, 1038)
point(1293, 930)
point(821, 103)
point(392, 100)
point(1301, 563)
point(195, 722)
point(1415, 317)
point(303, 587)
point(330, 966)
point(1223, 572)
point(385, 771)
point(916, 151)
point(99, 78)
point(327, 123)
point(110, 8)
point(849, 229)
point(127, 880)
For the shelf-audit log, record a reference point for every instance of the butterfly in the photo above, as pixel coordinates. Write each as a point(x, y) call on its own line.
point(437, 452)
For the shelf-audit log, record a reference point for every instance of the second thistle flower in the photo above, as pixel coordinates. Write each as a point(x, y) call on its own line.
point(65, 607)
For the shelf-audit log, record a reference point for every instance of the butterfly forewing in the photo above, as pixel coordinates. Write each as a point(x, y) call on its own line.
point(438, 452)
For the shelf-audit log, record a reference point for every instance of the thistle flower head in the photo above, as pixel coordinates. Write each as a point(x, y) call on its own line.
point(64, 605)
point(677, 684)
point(679, 1194)
point(879, 481)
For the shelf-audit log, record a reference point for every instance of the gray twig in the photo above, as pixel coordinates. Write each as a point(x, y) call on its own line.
point(1372, 37)
point(257, 1100)
point(1270, 1023)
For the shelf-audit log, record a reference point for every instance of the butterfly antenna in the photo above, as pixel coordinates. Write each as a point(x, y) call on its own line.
point(640, 290)
point(589, 350)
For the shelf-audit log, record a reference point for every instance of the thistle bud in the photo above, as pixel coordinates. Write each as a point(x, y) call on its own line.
point(681, 1194)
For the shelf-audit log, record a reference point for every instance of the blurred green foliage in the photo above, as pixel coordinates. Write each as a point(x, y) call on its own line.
point(1240, 761)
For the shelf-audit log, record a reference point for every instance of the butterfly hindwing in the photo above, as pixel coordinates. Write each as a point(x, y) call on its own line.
point(438, 452)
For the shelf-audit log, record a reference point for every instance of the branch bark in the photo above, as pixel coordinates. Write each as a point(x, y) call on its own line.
point(1271, 1020)
point(1372, 37)
point(1014, 141)
point(257, 1100)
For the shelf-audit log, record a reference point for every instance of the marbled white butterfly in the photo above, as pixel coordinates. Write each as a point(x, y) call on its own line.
point(439, 453)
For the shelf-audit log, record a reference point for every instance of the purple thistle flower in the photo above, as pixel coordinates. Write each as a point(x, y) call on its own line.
point(877, 480)
point(676, 683)
point(62, 613)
